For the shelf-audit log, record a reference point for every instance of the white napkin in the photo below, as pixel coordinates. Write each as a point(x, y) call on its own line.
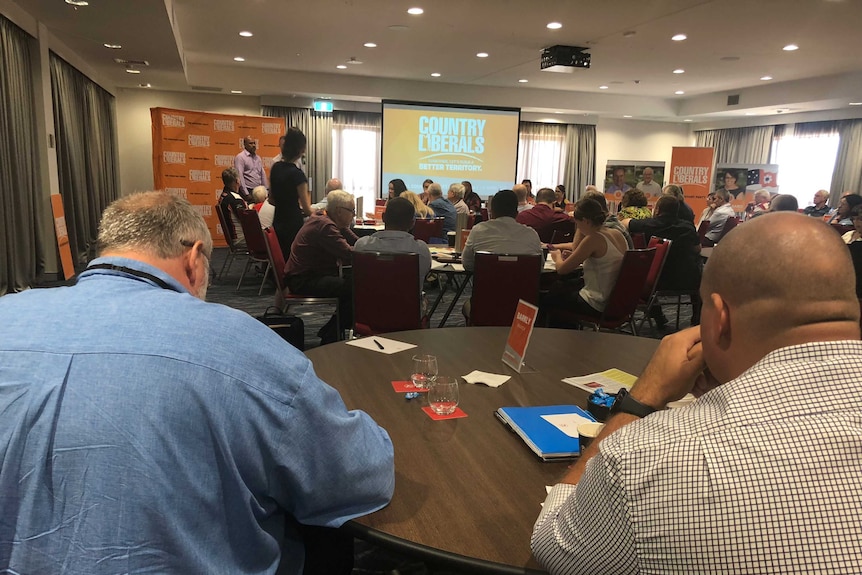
point(489, 379)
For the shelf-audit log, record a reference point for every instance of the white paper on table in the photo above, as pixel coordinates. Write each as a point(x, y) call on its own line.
point(567, 422)
point(489, 379)
point(549, 263)
point(435, 265)
point(458, 267)
point(610, 381)
point(390, 346)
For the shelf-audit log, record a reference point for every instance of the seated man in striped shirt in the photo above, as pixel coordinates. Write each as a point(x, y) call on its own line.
point(762, 473)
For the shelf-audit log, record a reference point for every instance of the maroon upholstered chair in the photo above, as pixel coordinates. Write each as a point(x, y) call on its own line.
point(393, 304)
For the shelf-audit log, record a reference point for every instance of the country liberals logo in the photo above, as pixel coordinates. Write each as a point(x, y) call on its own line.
point(199, 175)
point(181, 192)
point(223, 125)
point(455, 144)
point(205, 210)
point(174, 157)
point(223, 160)
point(270, 128)
point(173, 121)
point(199, 141)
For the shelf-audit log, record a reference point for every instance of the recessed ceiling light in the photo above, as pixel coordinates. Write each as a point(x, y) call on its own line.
point(679, 71)
point(341, 67)
point(415, 11)
point(239, 59)
point(679, 92)
point(678, 37)
point(246, 34)
point(148, 85)
point(626, 116)
point(554, 25)
point(523, 81)
point(370, 45)
point(764, 78)
point(749, 113)
point(790, 48)
point(77, 3)
point(236, 91)
point(112, 46)
point(435, 74)
point(686, 120)
point(603, 87)
point(855, 104)
point(133, 71)
point(482, 55)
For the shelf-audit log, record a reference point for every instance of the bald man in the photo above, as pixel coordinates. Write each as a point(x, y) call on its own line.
point(250, 168)
point(763, 472)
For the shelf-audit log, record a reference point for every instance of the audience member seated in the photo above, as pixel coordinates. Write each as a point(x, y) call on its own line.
point(845, 205)
point(324, 243)
point(420, 210)
point(685, 211)
point(682, 267)
point(611, 221)
point(133, 441)
point(561, 204)
point(331, 185)
point(760, 205)
point(542, 216)
point(231, 203)
point(265, 210)
point(501, 234)
point(455, 196)
point(634, 206)
point(396, 186)
point(601, 253)
point(723, 210)
point(521, 193)
point(424, 195)
point(820, 208)
point(472, 199)
point(442, 208)
point(855, 234)
point(529, 185)
point(707, 211)
point(783, 203)
point(396, 238)
point(723, 484)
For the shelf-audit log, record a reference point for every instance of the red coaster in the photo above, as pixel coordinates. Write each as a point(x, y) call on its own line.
point(454, 415)
point(406, 387)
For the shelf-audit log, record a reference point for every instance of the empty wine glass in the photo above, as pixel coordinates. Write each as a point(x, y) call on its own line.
point(424, 370)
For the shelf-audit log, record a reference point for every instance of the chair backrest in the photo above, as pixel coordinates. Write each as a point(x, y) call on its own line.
point(702, 229)
point(471, 221)
point(499, 281)
point(484, 214)
point(276, 257)
point(624, 298)
point(559, 233)
point(639, 241)
point(386, 292)
point(426, 229)
point(842, 228)
point(254, 238)
point(662, 249)
point(227, 228)
point(728, 225)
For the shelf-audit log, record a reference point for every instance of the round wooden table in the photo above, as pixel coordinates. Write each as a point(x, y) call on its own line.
point(468, 490)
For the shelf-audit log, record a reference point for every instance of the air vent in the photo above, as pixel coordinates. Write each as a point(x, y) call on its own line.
point(131, 62)
point(206, 88)
point(733, 100)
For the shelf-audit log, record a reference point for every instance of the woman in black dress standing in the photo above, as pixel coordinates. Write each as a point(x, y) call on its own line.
point(289, 190)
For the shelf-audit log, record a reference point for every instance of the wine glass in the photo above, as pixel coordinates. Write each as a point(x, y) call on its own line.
point(443, 394)
point(424, 370)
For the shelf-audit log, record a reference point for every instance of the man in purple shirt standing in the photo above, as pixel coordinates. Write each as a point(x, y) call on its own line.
point(250, 168)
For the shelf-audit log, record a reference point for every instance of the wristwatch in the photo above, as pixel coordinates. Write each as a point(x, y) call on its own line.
point(625, 403)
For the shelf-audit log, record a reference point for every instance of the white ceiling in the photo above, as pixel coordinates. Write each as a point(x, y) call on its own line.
point(296, 46)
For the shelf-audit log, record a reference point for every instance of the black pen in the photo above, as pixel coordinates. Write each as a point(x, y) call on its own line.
point(380, 345)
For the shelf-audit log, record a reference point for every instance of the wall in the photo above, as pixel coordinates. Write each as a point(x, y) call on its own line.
point(637, 140)
point(134, 127)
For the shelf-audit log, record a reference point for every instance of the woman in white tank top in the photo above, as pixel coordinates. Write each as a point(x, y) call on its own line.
point(600, 249)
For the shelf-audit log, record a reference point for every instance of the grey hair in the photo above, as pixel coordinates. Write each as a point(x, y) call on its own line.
point(338, 199)
point(158, 223)
point(723, 194)
point(675, 191)
point(457, 190)
point(435, 190)
point(259, 194)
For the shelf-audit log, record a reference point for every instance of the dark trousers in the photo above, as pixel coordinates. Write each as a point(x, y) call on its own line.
point(327, 286)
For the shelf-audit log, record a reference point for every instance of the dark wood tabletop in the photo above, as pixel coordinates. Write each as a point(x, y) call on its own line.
point(468, 490)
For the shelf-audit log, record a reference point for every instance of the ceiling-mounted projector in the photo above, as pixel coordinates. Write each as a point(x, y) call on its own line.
point(564, 58)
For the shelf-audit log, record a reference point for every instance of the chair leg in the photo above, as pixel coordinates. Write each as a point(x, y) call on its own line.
point(242, 275)
point(678, 310)
point(263, 281)
point(228, 260)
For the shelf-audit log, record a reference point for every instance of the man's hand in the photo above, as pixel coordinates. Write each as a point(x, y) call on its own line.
point(672, 371)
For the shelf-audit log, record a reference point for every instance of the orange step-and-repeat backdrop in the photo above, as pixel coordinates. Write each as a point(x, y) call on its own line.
point(191, 149)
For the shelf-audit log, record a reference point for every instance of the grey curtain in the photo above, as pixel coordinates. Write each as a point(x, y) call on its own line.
point(847, 174)
point(317, 128)
point(21, 241)
point(580, 161)
point(738, 145)
point(86, 154)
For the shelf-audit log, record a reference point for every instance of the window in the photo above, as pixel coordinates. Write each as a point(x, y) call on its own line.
point(356, 159)
point(805, 163)
point(541, 154)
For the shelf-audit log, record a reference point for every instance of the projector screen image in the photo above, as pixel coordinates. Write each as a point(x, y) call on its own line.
point(449, 144)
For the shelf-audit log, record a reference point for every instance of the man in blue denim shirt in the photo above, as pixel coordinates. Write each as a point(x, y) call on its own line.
point(133, 438)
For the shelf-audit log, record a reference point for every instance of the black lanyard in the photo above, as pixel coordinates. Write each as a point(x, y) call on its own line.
point(143, 275)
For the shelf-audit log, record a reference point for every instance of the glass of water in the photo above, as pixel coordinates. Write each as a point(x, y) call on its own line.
point(424, 370)
point(443, 394)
